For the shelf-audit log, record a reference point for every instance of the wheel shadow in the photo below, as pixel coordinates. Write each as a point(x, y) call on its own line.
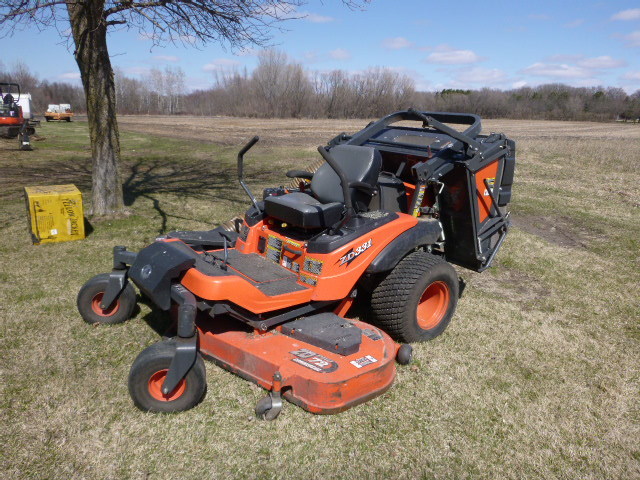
point(158, 320)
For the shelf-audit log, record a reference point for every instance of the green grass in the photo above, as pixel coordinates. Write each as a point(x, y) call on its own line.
point(536, 377)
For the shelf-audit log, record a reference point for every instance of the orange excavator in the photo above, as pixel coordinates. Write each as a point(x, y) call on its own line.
point(12, 119)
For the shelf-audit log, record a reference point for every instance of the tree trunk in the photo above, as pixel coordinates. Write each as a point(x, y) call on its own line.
point(89, 31)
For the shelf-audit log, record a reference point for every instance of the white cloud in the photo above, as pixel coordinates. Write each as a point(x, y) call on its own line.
point(396, 43)
point(70, 76)
point(631, 14)
point(562, 70)
point(483, 76)
point(601, 62)
point(220, 64)
point(340, 54)
point(633, 39)
point(446, 55)
point(631, 76)
point(519, 84)
point(166, 58)
point(575, 23)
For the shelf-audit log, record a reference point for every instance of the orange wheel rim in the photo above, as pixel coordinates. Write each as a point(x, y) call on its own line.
point(155, 387)
point(95, 306)
point(433, 305)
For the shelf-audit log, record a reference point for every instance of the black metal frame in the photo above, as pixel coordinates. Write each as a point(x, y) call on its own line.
point(466, 149)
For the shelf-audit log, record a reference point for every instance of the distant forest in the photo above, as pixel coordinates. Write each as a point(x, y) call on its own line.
point(279, 87)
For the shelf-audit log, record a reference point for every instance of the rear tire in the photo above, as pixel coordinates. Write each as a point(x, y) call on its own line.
point(415, 301)
point(147, 375)
point(90, 296)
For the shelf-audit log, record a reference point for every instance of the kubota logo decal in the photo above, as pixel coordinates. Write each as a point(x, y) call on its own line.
point(352, 254)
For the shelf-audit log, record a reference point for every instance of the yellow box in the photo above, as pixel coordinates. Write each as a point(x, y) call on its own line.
point(55, 213)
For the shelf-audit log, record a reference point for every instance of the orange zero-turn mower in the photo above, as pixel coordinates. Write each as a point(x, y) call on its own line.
point(376, 226)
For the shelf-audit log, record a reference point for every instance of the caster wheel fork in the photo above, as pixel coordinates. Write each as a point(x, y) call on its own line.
point(268, 408)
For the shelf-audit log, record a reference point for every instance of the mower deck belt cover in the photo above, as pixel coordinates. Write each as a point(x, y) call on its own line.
point(327, 331)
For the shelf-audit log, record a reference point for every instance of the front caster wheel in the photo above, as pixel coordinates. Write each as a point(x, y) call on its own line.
point(269, 407)
point(147, 376)
point(90, 296)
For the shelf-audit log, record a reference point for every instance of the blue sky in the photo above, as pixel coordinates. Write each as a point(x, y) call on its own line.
point(462, 44)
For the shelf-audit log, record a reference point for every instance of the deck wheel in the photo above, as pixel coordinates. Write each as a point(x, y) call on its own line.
point(148, 373)
point(269, 407)
point(90, 297)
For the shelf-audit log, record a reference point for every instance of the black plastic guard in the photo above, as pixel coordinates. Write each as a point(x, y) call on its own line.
point(211, 239)
point(154, 268)
point(426, 232)
point(117, 283)
point(183, 360)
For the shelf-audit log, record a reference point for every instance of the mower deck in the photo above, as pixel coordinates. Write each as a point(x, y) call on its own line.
point(316, 379)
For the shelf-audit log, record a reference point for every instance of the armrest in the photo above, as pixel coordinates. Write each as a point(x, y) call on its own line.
point(364, 187)
point(300, 174)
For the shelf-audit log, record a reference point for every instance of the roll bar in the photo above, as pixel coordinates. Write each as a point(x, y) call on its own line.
point(434, 120)
point(3, 92)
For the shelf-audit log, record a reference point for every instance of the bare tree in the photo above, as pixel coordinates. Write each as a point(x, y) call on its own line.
point(234, 22)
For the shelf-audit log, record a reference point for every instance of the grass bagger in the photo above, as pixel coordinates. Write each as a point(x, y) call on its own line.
point(376, 227)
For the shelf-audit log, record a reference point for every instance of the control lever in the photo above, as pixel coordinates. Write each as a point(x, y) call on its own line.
point(225, 238)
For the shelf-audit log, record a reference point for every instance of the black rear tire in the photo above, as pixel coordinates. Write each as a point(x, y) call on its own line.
point(415, 301)
point(90, 296)
point(148, 373)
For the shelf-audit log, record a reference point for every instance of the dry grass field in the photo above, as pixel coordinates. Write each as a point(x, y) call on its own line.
point(537, 376)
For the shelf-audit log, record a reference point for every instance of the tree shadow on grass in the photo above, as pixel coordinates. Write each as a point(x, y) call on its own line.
point(143, 178)
point(152, 179)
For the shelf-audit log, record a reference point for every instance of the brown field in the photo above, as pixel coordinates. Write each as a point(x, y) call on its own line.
point(537, 376)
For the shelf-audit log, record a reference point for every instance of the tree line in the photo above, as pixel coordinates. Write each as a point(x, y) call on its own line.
point(280, 87)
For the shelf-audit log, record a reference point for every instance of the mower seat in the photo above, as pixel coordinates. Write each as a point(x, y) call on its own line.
point(302, 210)
point(324, 207)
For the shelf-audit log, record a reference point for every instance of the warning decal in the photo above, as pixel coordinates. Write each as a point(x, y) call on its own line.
point(363, 361)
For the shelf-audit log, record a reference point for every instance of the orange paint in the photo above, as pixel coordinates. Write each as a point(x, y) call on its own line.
point(341, 270)
point(257, 357)
point(485, 203)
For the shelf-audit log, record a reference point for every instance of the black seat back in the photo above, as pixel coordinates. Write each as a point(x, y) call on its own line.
point(360, 164)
